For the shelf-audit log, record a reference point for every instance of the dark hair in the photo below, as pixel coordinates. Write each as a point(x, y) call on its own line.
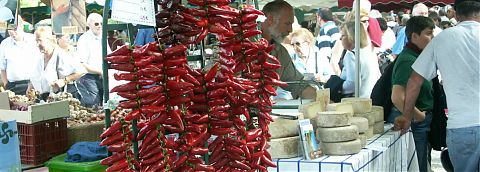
point(417, 24)
point(443, 23)
point(273, 8)
point(434, 16)
point(442, 13)
point(383, 24)
point(325, 14)
point(468, 8)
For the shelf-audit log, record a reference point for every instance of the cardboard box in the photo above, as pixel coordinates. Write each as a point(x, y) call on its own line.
point(37, 113)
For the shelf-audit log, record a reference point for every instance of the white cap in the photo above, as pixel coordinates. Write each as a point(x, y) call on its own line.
point(5, 14)
point(375, 14)
point(364, 4)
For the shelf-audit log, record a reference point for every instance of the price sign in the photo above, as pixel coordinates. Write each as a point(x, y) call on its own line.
point(134, 11)
point(3, 25)
point(69, 30)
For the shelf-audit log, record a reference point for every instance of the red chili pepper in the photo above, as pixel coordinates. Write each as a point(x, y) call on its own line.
point(112, 159)
point(119, 147)
point(199, 151)
point(151, 136)
point(202, 35)
point(252, 134)
point(125, 76)
point(145, 82)
point(153, 159)
point(221, 131)
point(198, 11)
point(248, 26)
point(188, 17)
point(142, 62)
point(160, 166)
point(175, 62)
point(215, 143)
point(220, 108)
point(128, 104)
point(111, 140)
point(203, 119)
point(271, 74)
point(217, 154)
point(249, 18)
point(152, 152)
point(112, 129)
point(211, 73)
point(174, 85)
point(216, 102)
point(152, 109)
point(123, 67)
point(219, 115)
point(234, 149)
point(251, 10)
point(171, 144)
point(276, 82)
point(238, 122)
point(199, 98)
point(226, 70)
point(122, 51)
point(181, 160)
point(160, 101)
point(221, 163)
point(178, 100)
point(250, 33)
point(135, 114)
point(239, 67)
point(196, 2)
point(180, 27)
point(240, 165)
point(218, 2)
point(119, 165)
point(149, 70)
point(144, 92)
point(235, 142)
point(203, 167)
point(196, 127)
point(128, 95)
point(144, 149)
point(163, 14)
point(216, 85)
point(175, 72)
point(217, 28)
point(119, 59)
point(202, 23)
point(213, 10)
point(124, 87)
point(267, 161)
point(218, 93)
point(270, 90)
point(181, 92)
point(221, 123)
point(235, 156)
point(176, 50)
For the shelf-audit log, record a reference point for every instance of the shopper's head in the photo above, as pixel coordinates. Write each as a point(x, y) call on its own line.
point(467, 10)
point(324, 15)
point(46, 41)
point(419, 31)
point(95, 22)
point(279, 19)
point(420, 9)
point(301, 40)
point(348, 36)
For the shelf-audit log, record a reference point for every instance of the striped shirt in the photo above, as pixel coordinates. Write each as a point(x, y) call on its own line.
point(326, 38)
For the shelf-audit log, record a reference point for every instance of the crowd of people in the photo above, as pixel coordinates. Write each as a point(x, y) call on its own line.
point(43, 63)
point(423, 44)
point(427, 43)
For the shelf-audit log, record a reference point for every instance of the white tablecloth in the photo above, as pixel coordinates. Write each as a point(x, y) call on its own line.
point(384, 152)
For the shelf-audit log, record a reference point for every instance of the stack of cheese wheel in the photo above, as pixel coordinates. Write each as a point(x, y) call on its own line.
point(362, 107)
point(310, 110)
point(360, 122)
point(284, 141)
point(336, 134)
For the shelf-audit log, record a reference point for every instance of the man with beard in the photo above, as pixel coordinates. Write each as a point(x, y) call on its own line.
point(277, 25)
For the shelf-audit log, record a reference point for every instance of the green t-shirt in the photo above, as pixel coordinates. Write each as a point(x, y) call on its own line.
point(401, 73)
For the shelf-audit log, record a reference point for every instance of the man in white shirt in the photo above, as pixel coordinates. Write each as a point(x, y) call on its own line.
point(19, 56)
point(89, 51)
point(455, 52)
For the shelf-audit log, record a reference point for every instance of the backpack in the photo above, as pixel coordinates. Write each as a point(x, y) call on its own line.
point(382, 91)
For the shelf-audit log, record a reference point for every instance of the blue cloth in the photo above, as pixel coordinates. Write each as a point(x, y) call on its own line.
point(144, 36)
point(400, 42)
point(420, 132)
point(86, 152)
point(464, 148)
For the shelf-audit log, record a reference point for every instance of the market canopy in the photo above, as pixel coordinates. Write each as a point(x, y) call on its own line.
point(306, 5)
point(387, 5)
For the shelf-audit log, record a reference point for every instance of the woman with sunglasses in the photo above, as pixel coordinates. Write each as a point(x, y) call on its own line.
point(307, 58)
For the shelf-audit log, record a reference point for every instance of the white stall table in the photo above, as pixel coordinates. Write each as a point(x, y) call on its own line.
point(388, 151)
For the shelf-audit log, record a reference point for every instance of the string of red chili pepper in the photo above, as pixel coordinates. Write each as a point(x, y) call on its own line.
point(118, 139)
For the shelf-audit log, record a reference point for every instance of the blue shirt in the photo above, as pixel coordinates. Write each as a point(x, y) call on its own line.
point(400, 42)
point(144, 36)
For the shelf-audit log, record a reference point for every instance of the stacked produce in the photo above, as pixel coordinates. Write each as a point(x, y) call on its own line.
point(336, 134)
point(362, 107)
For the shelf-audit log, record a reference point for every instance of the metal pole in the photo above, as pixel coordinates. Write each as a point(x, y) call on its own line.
point(357, 47)
point(106, 10)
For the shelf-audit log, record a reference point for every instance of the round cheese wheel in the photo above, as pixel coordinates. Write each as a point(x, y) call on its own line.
point(284, 147)
point(360, 105)
point(333, 119)
point(345, 107)
point(363, 139)
point(281, 128)
point(369, 132)
point(377, 112)
point(378, 127)
point(337, 134)
point(361, 123)
point(368, 115)
point(342, 148)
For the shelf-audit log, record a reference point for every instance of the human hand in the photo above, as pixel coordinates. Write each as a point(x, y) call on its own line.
point(58, 84)
point(419, 117)
point(401, 123)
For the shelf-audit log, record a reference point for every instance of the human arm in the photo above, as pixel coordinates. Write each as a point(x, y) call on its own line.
point(337, 51)
point(412, 91)
point(348, 73)
point(83, 54)
point(287, 71)
point(4, 78)
point(398, 99)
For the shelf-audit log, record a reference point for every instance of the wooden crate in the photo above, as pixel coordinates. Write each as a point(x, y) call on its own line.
point(37, 113)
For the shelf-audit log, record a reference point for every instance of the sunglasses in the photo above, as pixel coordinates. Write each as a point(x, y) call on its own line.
point(298, 43)
point(97, 23)
point(364, 21)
